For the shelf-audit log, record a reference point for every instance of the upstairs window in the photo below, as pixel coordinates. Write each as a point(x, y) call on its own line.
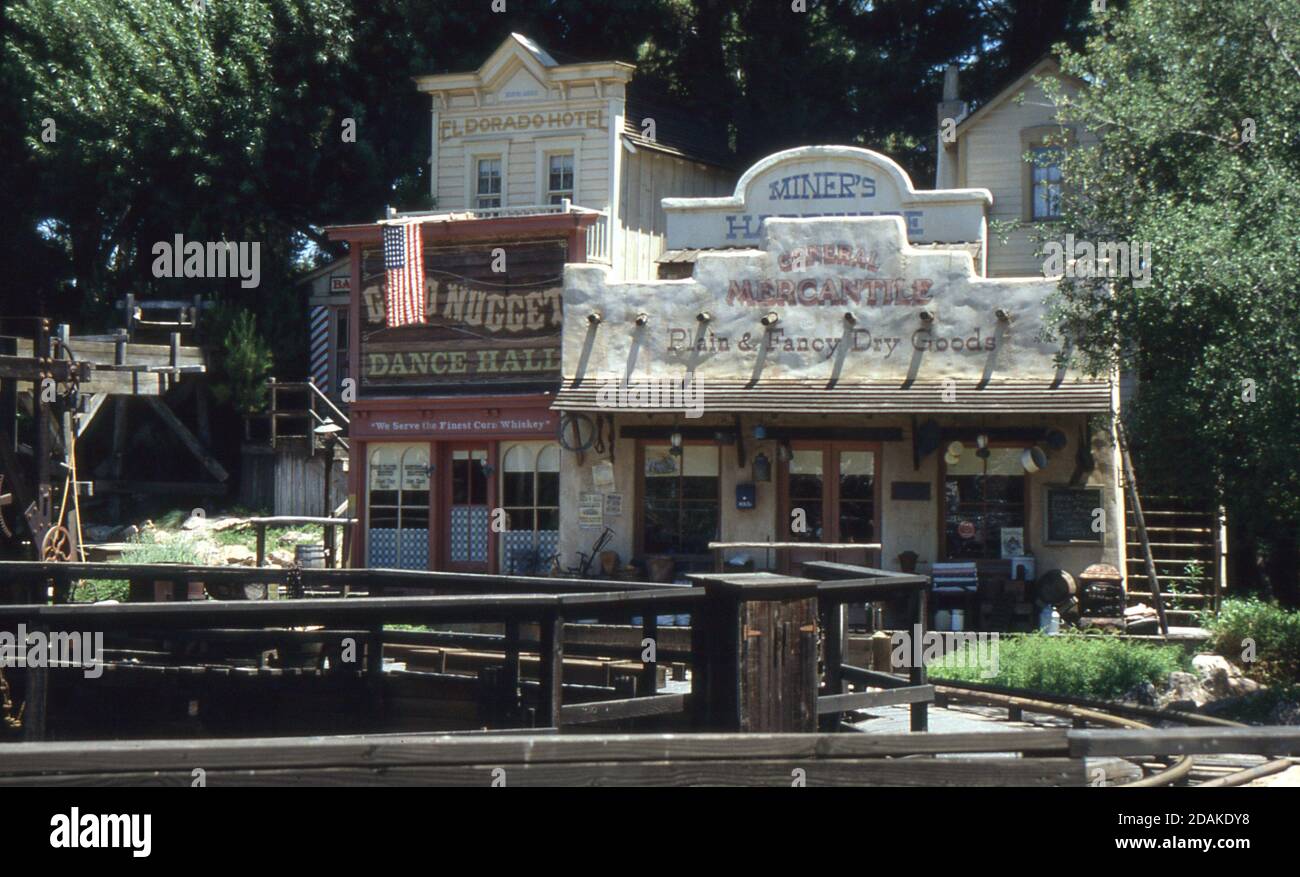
point(488, 191)
point(559, 177)
point(1045, 186)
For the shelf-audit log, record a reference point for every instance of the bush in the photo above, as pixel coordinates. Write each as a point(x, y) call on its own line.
point(1102, 667)
point(1274, 631)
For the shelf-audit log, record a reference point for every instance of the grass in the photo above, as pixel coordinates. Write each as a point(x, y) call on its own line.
point(1101, 667)
point(1273, 632)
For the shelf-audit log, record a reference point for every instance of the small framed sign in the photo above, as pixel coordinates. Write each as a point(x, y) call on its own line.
point(590, 508)
point(613, 505)
point(746, 496)
point(1073, 515)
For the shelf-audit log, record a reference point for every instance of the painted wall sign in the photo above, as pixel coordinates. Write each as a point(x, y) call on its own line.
point(848, 300)
point(826, 181)
point(530, 421)
point(484, 325)
point(340, 284)
point(504, 123)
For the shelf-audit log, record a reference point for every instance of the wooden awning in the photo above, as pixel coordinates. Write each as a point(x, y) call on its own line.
point(818, 397)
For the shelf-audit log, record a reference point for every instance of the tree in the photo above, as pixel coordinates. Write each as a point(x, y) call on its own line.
point(1195, 102)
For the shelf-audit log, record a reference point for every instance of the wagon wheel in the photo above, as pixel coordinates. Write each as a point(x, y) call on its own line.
point(57, 545)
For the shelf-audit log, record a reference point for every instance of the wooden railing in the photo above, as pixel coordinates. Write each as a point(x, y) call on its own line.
point(731, 687)
point(1048, 757)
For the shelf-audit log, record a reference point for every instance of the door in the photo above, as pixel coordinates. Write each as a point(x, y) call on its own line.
point(397, 506)
point(831, 495)
point(469, 484)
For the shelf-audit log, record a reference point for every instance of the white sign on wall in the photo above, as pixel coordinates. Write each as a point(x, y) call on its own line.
point(826, 181)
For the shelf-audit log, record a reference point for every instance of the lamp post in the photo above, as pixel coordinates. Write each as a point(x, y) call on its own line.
point(328, 431)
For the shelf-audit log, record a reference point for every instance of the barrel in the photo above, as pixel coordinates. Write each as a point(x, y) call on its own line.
point(309, 556)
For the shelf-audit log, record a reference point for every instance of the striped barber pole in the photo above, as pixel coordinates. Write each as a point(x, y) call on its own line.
point(319, 344)
point(404, 267)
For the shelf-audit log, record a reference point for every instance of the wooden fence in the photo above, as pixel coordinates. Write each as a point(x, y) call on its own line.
point(756, 639)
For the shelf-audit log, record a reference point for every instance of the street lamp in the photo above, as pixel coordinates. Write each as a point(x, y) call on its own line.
point(328, 432)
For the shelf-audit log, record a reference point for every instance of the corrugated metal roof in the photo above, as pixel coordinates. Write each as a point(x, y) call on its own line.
point(817, 397)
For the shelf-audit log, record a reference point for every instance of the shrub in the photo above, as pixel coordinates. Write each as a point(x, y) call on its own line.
point(1274, 631)
point(1102, 667)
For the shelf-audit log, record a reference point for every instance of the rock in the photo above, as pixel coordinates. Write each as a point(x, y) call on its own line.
point(226, 523)
point(1221, 678)
point(1143, 694)
point(237, 555)
point(280, 557)
point(1286, 712)
point(195, 522)
point(1184, 692)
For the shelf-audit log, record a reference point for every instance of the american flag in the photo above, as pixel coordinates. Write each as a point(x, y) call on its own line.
point(404, 266)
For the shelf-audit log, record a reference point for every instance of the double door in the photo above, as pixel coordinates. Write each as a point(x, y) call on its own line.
point(830, 494)
point(429, 506)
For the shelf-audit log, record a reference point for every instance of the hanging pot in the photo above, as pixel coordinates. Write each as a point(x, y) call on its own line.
point(1033, 459)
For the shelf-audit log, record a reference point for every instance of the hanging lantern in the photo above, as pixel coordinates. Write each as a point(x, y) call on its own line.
point(762, 467)
point(675, 440)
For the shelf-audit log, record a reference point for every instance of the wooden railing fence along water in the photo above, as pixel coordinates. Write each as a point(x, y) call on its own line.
point(752, 654)
point(759, 669)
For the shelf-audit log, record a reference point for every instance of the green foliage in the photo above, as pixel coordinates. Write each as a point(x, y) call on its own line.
point(1100, 667)
point(1276, 635)
point(243, 365)
point(1195, 103)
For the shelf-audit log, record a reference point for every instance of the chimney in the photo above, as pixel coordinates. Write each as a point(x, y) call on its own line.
point(950, 111)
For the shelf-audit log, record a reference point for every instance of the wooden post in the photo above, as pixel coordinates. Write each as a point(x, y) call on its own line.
point(551, 670)
point(760, 652)
point(509, 697)
point(261, 543)
point(650, 669)
point(832, 621)
point(918, 675)
point(37, 696)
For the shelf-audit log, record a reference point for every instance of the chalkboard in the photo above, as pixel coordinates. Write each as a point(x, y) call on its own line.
point(1069, 513)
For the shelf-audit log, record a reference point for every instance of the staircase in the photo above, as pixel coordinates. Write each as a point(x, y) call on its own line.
point(295, 411)
point(1186, 546)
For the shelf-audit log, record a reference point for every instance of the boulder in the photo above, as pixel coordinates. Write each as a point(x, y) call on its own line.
point(280, 557)
point(237, 555)
point(1221, 678)
point(1183, 693)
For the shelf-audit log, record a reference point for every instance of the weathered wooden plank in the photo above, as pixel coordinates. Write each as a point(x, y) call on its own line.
point(948, 772)
point(1186, 741)
point(188, 438)
point(838, 703)
point(626, 708)
point(398, 749)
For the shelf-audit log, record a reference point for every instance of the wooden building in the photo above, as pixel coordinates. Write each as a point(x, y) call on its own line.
point(536, 164)
point(849, 377)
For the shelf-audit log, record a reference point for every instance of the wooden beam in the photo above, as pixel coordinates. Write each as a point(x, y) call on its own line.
point(839, 703)
point(625, 708)
point(190, 441)
point(93, 403)
point(1186, 741)
point(23, 368)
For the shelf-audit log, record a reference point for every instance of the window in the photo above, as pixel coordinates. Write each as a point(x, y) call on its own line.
point(488, 190)
point(398, 533)
point(530, 495)
point(980, 498)
point(1045, 185)
point(681, 496)
point(559, 177)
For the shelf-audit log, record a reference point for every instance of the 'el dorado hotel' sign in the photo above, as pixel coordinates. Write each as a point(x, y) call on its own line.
point(825, 181)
